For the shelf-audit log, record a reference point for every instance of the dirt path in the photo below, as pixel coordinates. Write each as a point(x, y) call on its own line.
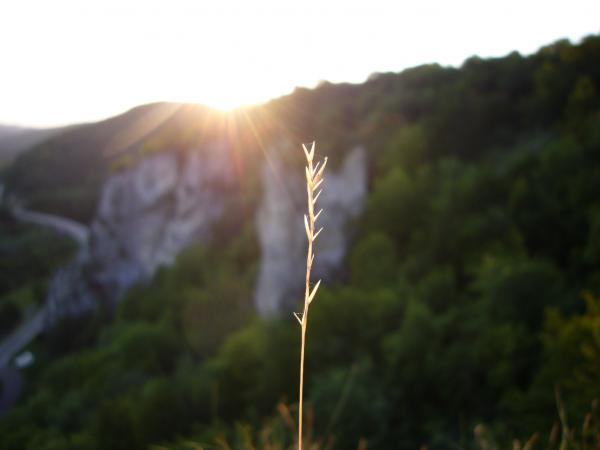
point(28, 330)
point(22, 336)
point(68, 227)
point(10, 377)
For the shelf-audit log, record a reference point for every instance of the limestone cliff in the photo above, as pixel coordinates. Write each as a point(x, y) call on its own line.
point(149, 212)
point(281, 228)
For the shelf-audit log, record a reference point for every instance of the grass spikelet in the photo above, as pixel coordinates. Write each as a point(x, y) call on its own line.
point(314, 178)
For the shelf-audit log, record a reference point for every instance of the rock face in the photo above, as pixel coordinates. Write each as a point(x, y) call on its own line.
point(281, 229)
point(152, 211)
point(148, 213)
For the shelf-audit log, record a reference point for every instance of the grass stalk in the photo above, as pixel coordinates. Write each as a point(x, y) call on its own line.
point(314, 179)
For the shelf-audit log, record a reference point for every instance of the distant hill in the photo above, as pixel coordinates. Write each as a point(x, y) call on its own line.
point(63, 173)
point(15, 140)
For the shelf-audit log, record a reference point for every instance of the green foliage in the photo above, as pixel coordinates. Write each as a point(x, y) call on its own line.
point(517, 290)
point(408, 148)
point(572, 346)
point(373, 261)
point(10, 316)
point(255, 369)
point(350, 403)
point(351, 322)
point(29, 254)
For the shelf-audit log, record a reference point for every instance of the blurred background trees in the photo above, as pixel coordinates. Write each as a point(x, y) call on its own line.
point(469, 295)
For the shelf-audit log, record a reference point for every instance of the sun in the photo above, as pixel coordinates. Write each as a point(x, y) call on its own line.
point(223, 101)
point(224, 87)
point(229, 96)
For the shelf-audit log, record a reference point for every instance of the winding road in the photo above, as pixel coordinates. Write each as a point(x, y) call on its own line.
point(62, 225)
point(22, 336)
point(30, 328)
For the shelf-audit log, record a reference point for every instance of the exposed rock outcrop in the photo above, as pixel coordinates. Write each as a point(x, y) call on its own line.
point(148, 213)
point(281, 229)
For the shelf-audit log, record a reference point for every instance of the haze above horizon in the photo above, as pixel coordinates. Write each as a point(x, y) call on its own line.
point(68, 61)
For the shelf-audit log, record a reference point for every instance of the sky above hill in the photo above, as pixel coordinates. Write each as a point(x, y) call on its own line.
point(72, 61)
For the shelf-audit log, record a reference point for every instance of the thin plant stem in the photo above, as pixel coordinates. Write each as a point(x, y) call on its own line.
point(314, 178)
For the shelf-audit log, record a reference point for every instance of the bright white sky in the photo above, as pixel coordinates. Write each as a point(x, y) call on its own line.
point(70, 61)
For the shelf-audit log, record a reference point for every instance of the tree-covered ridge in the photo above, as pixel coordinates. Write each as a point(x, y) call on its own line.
point(470, 294)
point(462, 112)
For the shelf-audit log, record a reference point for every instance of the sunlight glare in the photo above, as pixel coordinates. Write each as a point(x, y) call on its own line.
point(80, 61)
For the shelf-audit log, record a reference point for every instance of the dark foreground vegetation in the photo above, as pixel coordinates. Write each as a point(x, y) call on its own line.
point(470, 295)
